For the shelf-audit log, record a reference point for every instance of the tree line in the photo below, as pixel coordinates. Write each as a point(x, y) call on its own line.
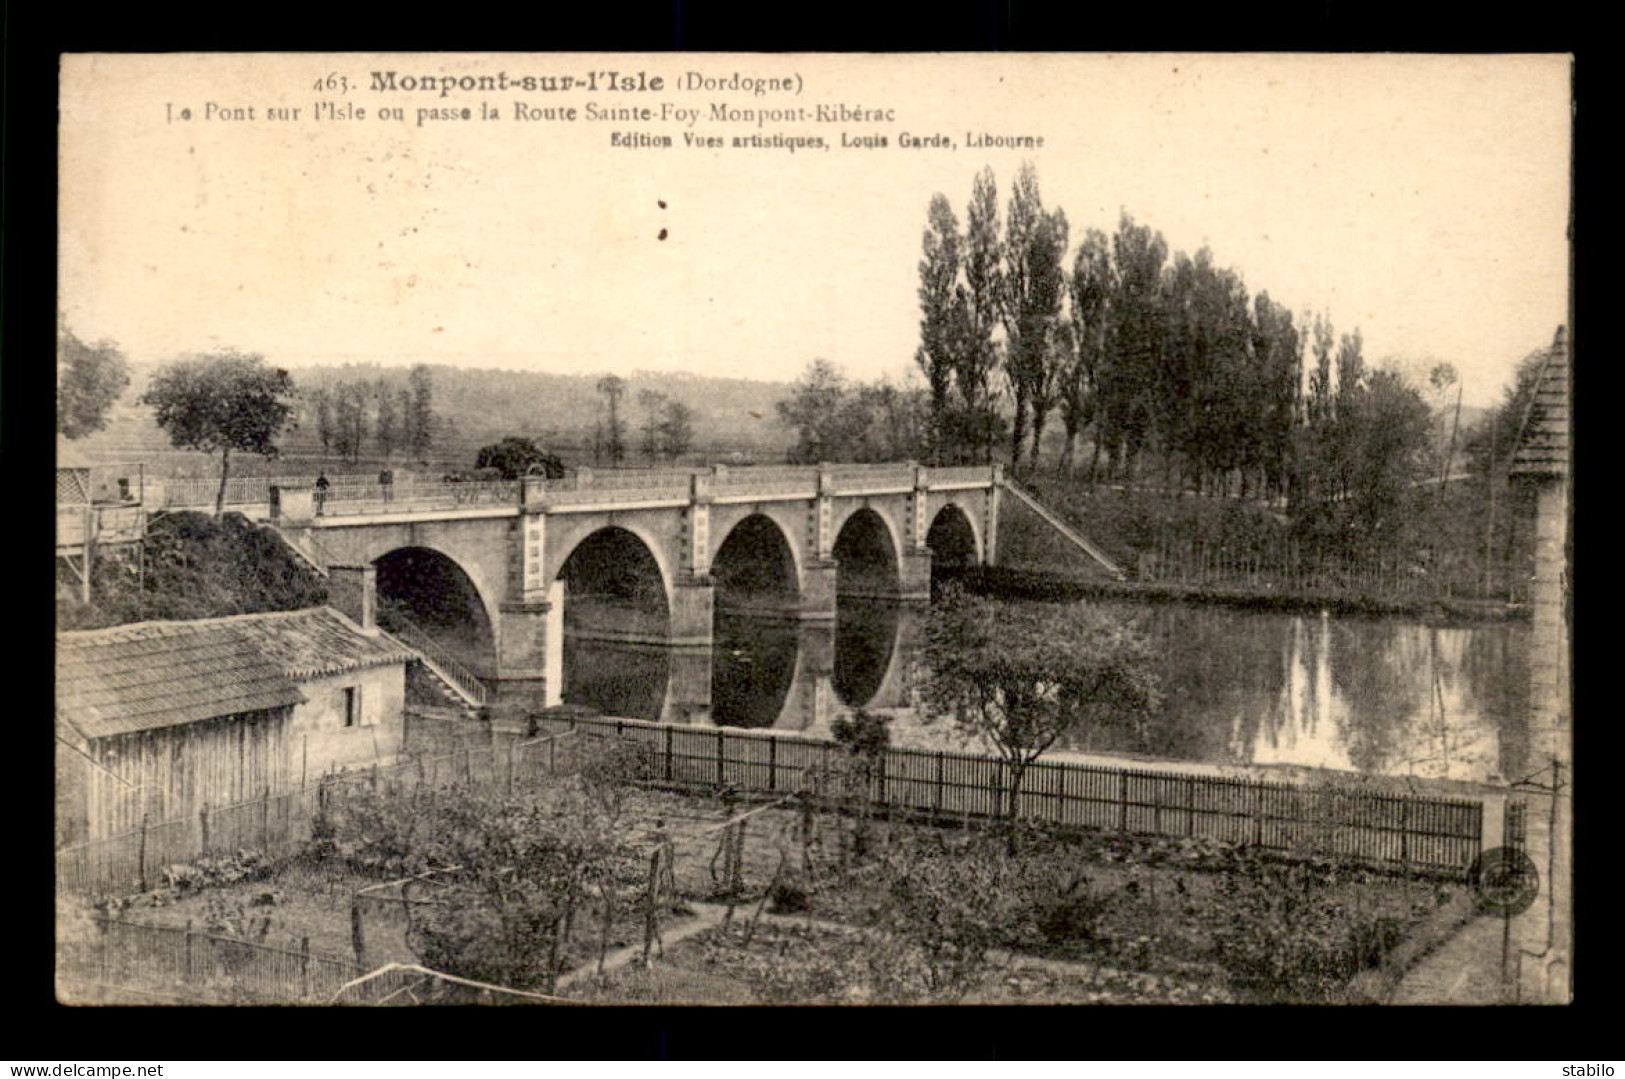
point(1144, 351)
point(398, 419)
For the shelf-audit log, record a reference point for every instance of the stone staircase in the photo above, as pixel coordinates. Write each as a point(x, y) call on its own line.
point(430, 695)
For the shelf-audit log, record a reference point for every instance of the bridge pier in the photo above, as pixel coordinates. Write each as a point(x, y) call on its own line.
point(809, 703)
point(818, 585)
point(692, 604)
point(688, 690)
point(914, 570)
point(530, 653)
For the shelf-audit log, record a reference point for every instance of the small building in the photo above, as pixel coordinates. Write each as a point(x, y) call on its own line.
point(80, 481)
point(159, 719)
point(98, 506)
point(1544, 461)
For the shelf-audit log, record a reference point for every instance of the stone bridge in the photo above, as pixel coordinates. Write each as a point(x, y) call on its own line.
point(504, 572)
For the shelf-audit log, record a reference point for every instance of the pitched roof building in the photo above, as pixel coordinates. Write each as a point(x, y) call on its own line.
point(158, 719)
point(160, 674)
point(1544, 448)
point(1543, 461)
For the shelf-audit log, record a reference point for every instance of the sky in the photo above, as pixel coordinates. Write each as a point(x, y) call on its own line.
point(1421, 199)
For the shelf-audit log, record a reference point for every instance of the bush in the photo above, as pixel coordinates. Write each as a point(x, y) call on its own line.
point(789, 897)
point(1288, 941)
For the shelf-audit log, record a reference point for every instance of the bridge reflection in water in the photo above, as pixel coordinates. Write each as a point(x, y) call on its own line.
point(1372, 695)
point(760, 671)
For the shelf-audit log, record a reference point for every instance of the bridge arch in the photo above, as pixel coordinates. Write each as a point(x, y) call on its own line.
point(439, 596)
point(615, 585)
point(756, 567)
point(867, 554)
point(953, 538)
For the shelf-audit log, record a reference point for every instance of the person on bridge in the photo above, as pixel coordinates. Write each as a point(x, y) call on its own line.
point(386, 480)
point(322, 484)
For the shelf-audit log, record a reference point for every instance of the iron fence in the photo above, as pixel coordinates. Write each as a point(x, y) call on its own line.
point(1439, 835)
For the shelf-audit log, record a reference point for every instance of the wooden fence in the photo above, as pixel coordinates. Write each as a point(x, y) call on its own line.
point(1284, 566)
point(1391, 830)
point(279, 824)
point(113, 954)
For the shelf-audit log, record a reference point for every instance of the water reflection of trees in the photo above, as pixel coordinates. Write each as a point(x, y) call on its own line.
point(1377, 695)
point(753, 665)
point(866, 634)
point(1217, 666)
point(1427, 700)
point(616, 678)
point(1384, 672)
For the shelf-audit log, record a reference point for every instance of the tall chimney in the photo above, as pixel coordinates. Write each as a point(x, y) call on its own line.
point(353, 592)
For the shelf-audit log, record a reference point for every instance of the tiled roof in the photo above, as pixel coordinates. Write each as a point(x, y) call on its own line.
point(320, 641)
point(1543, 444)
point(160, 674)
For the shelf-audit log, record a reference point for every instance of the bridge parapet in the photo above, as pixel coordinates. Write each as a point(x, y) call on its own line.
point(980, 475)
point(639, 479)
point(802, 482)
point(593, 496)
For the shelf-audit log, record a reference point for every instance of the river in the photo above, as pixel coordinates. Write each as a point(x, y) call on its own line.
point(1376, 695)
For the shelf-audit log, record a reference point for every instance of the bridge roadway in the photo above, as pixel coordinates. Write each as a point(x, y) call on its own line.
point(677, 543)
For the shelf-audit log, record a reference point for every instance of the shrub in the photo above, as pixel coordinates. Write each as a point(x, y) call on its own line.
point(789, 897)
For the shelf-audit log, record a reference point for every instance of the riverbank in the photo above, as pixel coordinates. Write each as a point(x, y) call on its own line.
point(1009, 582)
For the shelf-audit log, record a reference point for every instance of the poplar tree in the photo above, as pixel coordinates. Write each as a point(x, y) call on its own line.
point(1090, 287)
point(1032, 286)
point(940, 330)
point(977, 316)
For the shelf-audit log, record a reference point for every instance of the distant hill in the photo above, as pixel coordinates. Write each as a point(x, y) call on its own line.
point(479, 406)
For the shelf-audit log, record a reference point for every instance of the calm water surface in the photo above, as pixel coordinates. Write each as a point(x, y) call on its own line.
point(1376, 695)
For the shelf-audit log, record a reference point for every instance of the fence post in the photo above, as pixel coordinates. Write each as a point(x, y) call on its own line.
point(772, 764)
point(188, 974)
point(1405, 831)
point(650, 923)
point(304, 968)
point(1190, 806)
point(721, 747)
point(358, 940)
point(203, 828)
point(936, 797)
point(736, 882)
point(1258, 813)
point(265, 820)
point(668, 754)
point(1122, 802)
point(141, 853)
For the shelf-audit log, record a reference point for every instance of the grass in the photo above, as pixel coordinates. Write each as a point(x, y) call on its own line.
point(1036, 563)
